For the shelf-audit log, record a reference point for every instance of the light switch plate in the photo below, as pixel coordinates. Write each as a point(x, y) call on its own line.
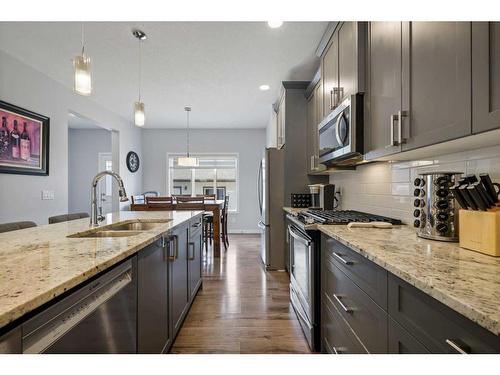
point(47, 195)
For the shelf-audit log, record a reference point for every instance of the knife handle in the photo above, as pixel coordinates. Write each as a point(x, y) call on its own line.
point(482, 192)
point(458, 196)
point(476, 197)
point(489, 186)
point(465, 194)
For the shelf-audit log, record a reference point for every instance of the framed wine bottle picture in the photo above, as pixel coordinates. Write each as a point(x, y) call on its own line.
point(24, 141)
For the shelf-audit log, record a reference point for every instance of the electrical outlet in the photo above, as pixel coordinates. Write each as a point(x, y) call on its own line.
point(47, 195)
point(339, 190)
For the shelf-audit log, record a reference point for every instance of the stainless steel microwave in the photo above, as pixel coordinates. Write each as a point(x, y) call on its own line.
point(341, 133)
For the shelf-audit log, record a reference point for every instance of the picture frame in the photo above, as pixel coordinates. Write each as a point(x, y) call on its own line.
point(24, 141)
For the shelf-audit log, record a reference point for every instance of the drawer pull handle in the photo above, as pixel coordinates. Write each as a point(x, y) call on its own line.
point(459, 347)
point(336, 351)
point(339, 257)
point(339, 300)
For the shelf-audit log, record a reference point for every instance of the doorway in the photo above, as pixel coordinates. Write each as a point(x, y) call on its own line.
point(90, 150)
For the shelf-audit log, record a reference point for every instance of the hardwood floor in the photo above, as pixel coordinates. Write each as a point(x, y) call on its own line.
point(241, 308)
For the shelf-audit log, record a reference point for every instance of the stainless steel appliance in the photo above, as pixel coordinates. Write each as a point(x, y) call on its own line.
point(100, 317)
point(303, 246)
point(342, 217)
point(271, 196)
point(435, 210)
point(341, 133)
point(322, 196)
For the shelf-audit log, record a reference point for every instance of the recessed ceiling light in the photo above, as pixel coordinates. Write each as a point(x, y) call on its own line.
point(274, 24)
point(264, 87)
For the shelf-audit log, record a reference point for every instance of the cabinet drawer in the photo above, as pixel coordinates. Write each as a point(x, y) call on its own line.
point(435, 325)
point(366, 319)
point(371, 278)
point(338, 338)
point(400, 341)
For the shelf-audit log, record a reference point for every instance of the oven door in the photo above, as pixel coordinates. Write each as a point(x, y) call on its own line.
point(301, 269)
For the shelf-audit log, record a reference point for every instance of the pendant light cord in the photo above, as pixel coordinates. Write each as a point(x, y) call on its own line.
point(140, 68)
point(83, 40)
point(187, 111)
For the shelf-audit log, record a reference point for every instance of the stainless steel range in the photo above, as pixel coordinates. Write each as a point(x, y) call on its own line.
point(304, 248)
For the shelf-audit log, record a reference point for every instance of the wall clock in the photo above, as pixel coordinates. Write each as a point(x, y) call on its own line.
point(132, 161)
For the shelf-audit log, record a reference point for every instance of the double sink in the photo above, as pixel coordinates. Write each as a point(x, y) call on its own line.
point(126, 229)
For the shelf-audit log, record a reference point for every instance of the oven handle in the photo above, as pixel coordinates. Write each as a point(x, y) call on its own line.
point(298, 237)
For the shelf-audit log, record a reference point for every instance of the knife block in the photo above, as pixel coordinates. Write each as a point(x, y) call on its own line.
point(480, 231)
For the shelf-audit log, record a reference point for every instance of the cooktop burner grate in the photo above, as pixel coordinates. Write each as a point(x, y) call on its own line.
point(346, 216)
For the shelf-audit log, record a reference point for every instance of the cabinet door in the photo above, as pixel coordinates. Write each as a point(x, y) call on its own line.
point(384, 87)
point(330, 75)
point(11, 342)
point(153, 305)
point(437, 82)
point(311, 118)
point(348, 60)
point(179, 278)
point(194, 259)
point(485, 76)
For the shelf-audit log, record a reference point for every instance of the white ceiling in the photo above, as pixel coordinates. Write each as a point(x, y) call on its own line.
point(214, 67)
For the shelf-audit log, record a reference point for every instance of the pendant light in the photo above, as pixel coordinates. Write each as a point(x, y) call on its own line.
point(82, 74)
point(139, 112)
point(187, 161)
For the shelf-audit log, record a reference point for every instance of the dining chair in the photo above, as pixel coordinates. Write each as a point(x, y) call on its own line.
point(67, 217)
point(8, 227)
point(160, 203)
point(207, 197)
point(151, 194)
point(190, 203)
point(224, 220)
point(138, 199)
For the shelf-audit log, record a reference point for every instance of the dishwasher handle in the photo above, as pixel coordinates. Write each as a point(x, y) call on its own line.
point(51, 328)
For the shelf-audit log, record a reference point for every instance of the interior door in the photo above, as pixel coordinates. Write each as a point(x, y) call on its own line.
point(105, 187)
point(438, 84)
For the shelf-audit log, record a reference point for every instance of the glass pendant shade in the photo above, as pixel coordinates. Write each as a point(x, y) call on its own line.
point(187, 161)
point(82, 75)
point(139, 114)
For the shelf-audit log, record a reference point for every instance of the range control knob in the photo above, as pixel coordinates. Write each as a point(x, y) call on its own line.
point(416, 223)
point(442, 228)
point(442, 204)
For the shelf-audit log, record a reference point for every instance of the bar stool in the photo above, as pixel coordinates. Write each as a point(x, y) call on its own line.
point(16, 225)
point(67, 217)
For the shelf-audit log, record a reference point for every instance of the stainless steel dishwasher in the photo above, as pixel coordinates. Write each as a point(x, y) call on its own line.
point(100, 317)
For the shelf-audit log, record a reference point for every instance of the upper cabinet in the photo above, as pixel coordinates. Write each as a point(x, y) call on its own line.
point(485, 76)
point(342, 65)
point(436, 82)
point(419, 85)
point(314, 116)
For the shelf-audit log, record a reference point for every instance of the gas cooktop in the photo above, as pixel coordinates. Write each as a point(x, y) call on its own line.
point(341, 217)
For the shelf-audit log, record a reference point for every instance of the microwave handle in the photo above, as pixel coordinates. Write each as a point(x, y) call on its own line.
point(337, 128)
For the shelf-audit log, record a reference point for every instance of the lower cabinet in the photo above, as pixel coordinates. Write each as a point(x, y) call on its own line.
point(11, 342)
point(194, 257)
point(153, 328)
point(179, 294)
point(356, 319)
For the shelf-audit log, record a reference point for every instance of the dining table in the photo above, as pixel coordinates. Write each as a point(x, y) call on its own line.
point(209, 205)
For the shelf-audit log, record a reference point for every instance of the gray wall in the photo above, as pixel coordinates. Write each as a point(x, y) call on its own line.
point(27, 88)
point(83, 153)
point(248, 143)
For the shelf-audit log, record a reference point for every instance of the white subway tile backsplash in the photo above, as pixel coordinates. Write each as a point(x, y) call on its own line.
point(387, 188)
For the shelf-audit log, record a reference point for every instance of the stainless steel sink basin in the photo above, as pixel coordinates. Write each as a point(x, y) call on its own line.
point(137, 226)
point(106, 234)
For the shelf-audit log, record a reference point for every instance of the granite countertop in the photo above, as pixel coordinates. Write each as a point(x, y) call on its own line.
point(40, 263)
point(464, 280)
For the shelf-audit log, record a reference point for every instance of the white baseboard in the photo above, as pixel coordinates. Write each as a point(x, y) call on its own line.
point(244, 231)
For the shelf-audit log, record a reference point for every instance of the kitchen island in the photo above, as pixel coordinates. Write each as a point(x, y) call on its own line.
point(40, 264)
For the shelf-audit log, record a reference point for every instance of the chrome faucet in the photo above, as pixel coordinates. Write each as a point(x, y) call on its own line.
point(95, 218)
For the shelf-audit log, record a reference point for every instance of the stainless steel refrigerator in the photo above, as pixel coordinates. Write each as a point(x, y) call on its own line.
point(271, 194)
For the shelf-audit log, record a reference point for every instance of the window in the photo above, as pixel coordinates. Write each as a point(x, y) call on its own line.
point(215, 174)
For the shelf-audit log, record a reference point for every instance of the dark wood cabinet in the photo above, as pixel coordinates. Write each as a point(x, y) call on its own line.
point(11, 342)
point(194, 257)
point(401, 342)
point(485, 76)
point(179, 294)
point(436, 83)
point(436, 326)
point(153, 328)
point(384, 82)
